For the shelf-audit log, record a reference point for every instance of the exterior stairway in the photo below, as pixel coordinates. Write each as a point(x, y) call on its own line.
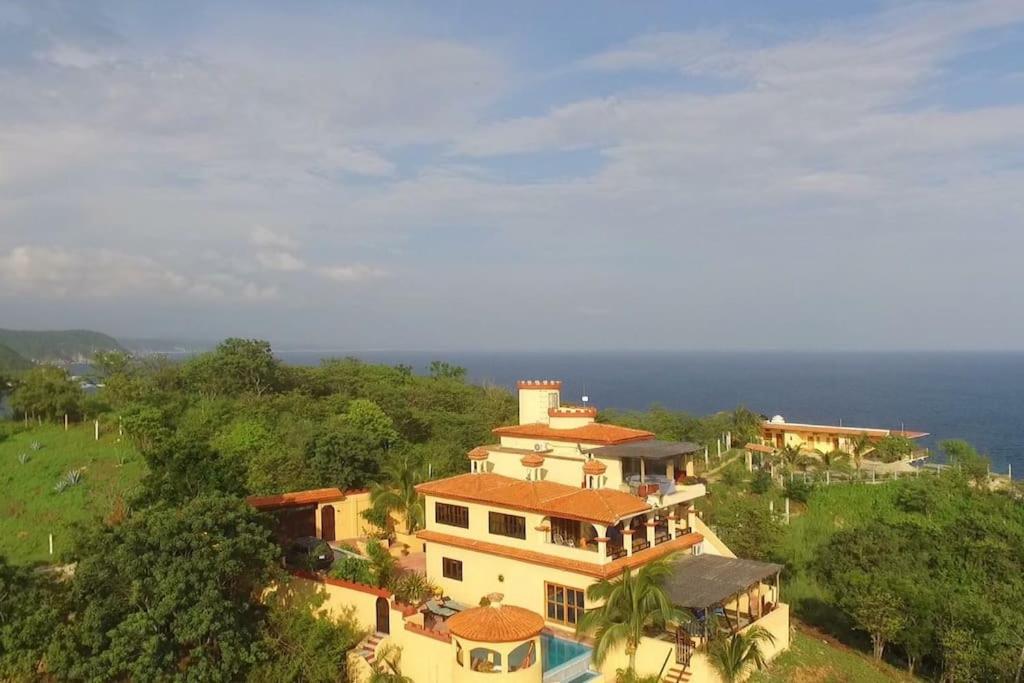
point(368, 648)
point(677, 674)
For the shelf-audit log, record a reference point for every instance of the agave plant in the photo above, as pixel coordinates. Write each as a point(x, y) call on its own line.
point(73, 477)
point(61, 486)
point(35, 445)
point(23, 458)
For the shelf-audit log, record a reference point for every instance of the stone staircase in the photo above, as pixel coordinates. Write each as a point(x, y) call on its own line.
point(367, 649)
point(677, 674)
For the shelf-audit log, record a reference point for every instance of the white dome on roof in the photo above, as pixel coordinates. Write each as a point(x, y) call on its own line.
point(778, 420)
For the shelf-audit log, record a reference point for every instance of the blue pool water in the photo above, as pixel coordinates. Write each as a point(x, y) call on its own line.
point(558, 651)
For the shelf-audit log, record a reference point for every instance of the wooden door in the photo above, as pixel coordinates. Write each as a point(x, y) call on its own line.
point(383, 616)
point(327, 522)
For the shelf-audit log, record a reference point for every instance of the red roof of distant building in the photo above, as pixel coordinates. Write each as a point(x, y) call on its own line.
point(297, 498)
point(597, 432)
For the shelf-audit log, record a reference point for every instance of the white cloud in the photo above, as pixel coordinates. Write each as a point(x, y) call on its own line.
point(85, 274)
point(351, 273)
point(280, 260)
point(263, 236)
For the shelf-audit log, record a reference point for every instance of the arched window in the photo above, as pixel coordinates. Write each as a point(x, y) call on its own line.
point(523, 657)
point(485, 660)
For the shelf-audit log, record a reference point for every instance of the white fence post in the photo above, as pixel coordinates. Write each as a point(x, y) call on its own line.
point(96, 429)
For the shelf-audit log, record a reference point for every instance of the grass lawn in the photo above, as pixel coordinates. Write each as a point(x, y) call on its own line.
point(30, 508)
point(811, 659)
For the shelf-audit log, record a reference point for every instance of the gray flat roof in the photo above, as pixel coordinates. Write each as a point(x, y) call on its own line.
point(701, 581)
point(648, 450)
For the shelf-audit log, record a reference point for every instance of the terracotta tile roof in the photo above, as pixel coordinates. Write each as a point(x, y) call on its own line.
point(758, 448)
point(597, 432)
point(296, 498)
point(831, 429)
point(598, 571)
point(478, 453)
point(595, 467)
point(496, 624)
point(605, 506)
point(532, 460)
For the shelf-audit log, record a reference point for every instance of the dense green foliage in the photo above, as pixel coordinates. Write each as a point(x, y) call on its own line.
point(57, 344)
point(675, 425)
point(171, 588)
point(47, 392)
point(941, 576)
point(28, 616)
point(273, 428)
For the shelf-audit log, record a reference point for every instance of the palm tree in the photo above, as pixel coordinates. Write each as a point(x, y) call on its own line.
point(792, 458)
point(386, 667)
point(629, 604)
point(398, 493)
point(834, 460)
point(733, 655)
point(860, 446)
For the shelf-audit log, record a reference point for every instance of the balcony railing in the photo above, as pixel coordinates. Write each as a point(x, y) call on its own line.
point(616, 551)
point(640, 544)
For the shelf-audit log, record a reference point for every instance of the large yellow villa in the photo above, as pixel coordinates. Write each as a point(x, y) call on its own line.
point(557, 503)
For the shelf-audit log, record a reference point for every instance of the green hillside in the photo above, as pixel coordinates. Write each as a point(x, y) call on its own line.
point(51, 345)
point(12, 361)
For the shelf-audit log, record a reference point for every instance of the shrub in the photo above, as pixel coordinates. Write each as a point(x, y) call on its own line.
point(353, 569)
point(798, 489)
point(761, 482)
point(413, 588)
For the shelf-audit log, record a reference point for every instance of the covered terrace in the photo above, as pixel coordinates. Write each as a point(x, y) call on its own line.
point(651, 467)
point(736, 591)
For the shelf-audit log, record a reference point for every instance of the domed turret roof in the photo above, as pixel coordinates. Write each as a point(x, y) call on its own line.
point(496, 623)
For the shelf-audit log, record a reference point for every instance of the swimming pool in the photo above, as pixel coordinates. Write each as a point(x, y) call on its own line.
point(563, 659)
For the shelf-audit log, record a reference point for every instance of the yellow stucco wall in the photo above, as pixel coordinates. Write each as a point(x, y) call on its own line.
point(348, 519)
point(521, 583)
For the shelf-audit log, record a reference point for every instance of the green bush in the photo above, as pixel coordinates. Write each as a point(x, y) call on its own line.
point(761, 482)
point(798, 489)
point(353, 569)
point(413, 588)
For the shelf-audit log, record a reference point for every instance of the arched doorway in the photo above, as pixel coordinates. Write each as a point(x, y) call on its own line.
point(327, 522)
point(383, 616)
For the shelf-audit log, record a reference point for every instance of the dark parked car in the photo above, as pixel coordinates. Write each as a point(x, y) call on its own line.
point(309, 552)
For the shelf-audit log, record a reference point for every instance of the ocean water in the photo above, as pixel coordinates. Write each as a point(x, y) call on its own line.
point(974, 396)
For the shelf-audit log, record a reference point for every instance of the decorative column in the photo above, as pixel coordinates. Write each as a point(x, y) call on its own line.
point(627, 541)
point(650, 532)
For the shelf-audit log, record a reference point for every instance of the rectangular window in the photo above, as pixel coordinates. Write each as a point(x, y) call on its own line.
point(452, 515)
point(564, 604)
point(451, 569)
point(512, 526)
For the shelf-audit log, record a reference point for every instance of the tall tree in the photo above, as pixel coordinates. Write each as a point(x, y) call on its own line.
point(627, 605)
point(48, 392)
point(236, 366)
point(170, 594)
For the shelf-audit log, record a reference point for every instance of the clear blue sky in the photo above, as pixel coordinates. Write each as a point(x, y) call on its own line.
point(528, 175)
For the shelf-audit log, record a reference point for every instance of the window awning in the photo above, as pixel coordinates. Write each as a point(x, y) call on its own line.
point(702, 581)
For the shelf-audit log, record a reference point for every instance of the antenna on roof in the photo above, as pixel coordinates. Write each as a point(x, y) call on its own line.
point(584, 398)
